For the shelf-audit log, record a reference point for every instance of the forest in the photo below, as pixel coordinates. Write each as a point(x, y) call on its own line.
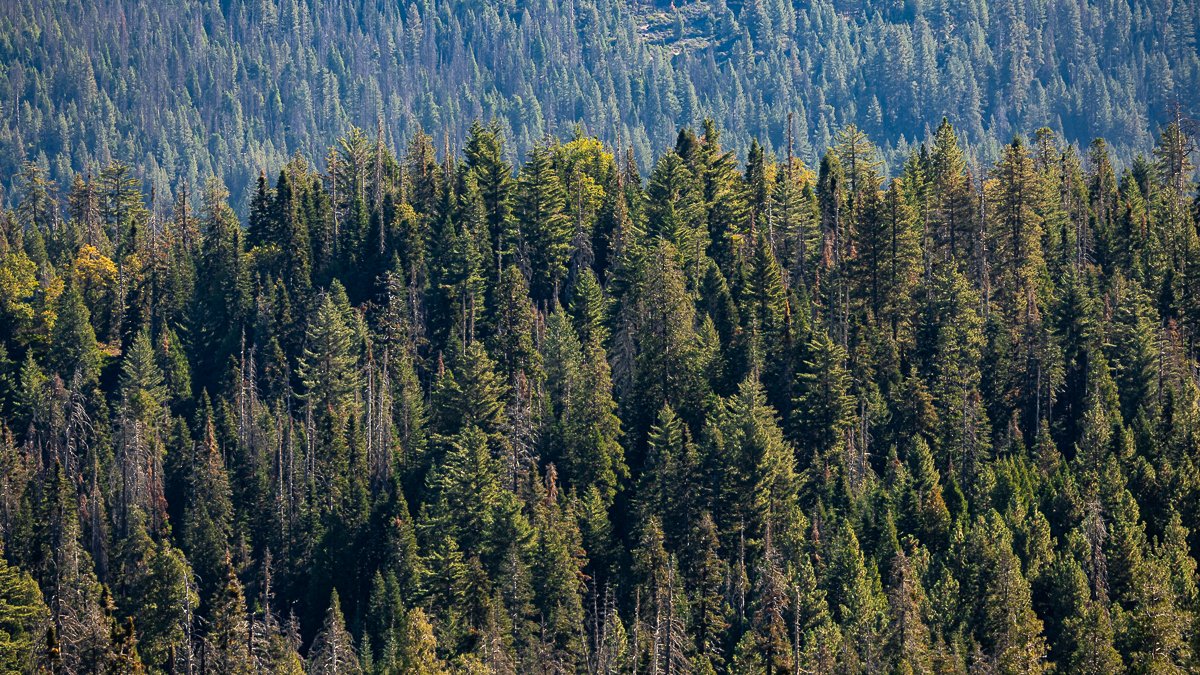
point(425, 411)
point(187, 89)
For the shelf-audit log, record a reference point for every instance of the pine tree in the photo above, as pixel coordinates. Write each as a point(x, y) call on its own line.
point(165, 603)
point(589, 309)
point(951, 332)
point(951, 213)
point(288, 230)
point(1086, 629)
point(66, 575)
point(707, 574)
point(558, 576)
point(759, 187)
point(484, 153)
point(207, 526)
point(221, 295)
point(259, 228)
point(1009, 628)
point(470, 393)
point(419, 653)
point(860, 161)
point(725, 198)
point(546, 230)
point(1015, 237)
point(74, 340)
point(83, 208)
point(468, 480)
point(227, 640)
point(860, 606)
point(328, 368)
point(514, 321)
point(768, 625)
point(909, 635)
point(795, 222)
point(756, 469)
point(675, 211)
point(140, 445)
point(586, 426)
point(668, 359)
point(333, 651)
point(23, 617)
point(665, 647)
point(823, 406)
point(669, 485)
point(766, 318)
point(121, 208)
point(903, 257)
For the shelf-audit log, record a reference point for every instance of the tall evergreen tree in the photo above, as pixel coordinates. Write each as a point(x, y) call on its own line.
point(546, 230)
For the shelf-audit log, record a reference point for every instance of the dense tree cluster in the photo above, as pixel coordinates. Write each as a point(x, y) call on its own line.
point(429, 413)
point(185, 90)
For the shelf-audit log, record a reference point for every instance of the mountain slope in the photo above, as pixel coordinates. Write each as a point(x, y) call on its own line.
point(185, 89)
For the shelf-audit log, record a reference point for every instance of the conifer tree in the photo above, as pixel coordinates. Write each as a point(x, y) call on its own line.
point(951, 214)
point(165, 604)
point(766, 319)
point(859, 159)
point(221, 295)
point(74, 339)
point(589, 309)
point(749, 419)
point(474, 395)
point(1015, 237)
point(665, 646)
point(1009, 628)
point(419, 653)
point(289, 231)
point(514, 321)
point(227, 640)
point(909, 635)
point(546, 230)
point(586, 426)
point(468, 480)
point(140, 445)
point(768, 635)
point(860, 606)
point(558, 574)
point(67, 578)
point(675, 211)
point(823, 405)
point(484, 153)
point(333, 648)
point(758, 482)
point(725, 198)
point(259, 226)
point(668, 360)
point(207, 526)
point(710, 609)
point(329, 366)
point(23, 617)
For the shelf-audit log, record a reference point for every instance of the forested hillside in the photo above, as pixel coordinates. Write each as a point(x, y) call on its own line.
point(425, 413)
point(189, 89)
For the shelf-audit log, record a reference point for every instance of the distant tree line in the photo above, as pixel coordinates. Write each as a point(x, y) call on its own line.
point(187, 90)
